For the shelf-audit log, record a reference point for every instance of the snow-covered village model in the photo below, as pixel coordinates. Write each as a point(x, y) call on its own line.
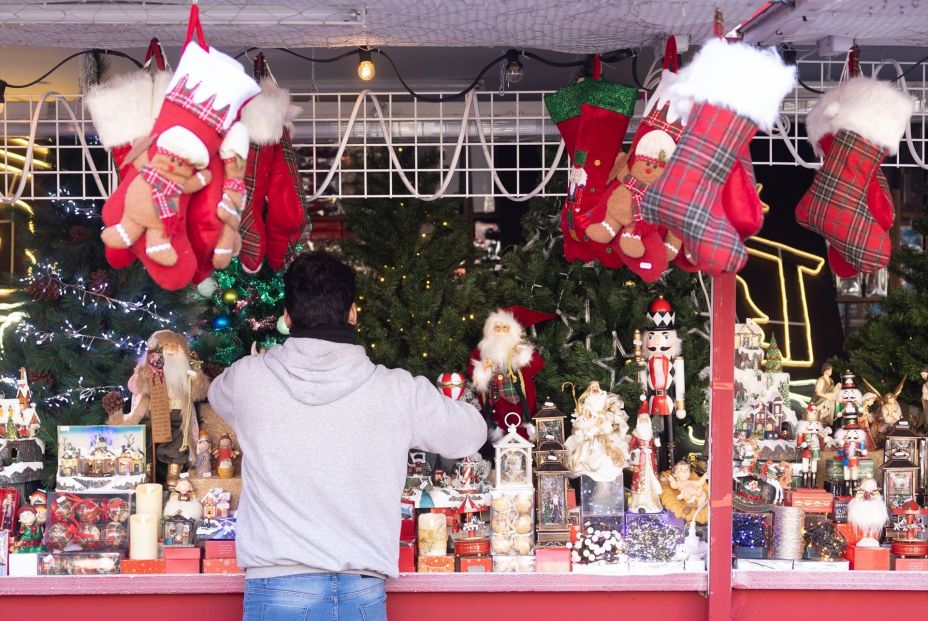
point(763, 416)
point(21, 452)
point(101, 458)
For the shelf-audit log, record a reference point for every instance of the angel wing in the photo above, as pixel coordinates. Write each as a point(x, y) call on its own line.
point(898, 390)
point(873, 389)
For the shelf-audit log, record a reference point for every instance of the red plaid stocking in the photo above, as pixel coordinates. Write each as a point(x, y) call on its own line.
point(286, 216)
point(836, 204)
point(686, 197)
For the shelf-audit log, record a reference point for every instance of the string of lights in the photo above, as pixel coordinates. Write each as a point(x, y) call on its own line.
point(26, 330)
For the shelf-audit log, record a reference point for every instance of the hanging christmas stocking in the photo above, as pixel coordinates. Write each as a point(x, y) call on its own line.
point(854, 127)
point(234, 153)
point(203, 100)
point(264, 116)
point(722, 109)
point(286, 216)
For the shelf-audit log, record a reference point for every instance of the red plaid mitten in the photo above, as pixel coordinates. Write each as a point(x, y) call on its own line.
point(854, 127)
point(722, 109)
point(286, 216)
point(203, 100)
point(264, 116)
point(233, 153)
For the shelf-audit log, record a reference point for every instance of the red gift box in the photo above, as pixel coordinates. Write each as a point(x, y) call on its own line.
point(219, 549)
point(134, 566)
point(436, 564)
point(184, 553)
point(810, 500)
point(221, 566)
point(552, 560)
point(407, 558)
point(867, 558)
point(182, 566)
point(910, 564)
point(475, 564)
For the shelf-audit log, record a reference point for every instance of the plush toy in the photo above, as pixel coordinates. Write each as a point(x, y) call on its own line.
point(234, 154)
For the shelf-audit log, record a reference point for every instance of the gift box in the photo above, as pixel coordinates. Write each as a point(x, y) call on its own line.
point(806, 565)
point(850, 536)
point(834, 469)
point(181, 553)
point(436, 564)
point(88, 522)
point(182, 566)
point(512, 522)
point(840, 509)
point(552, 560)
point(751, 553)
point(810, 500)
point(909, 564)
point(513, 564)
point(407, 557)
point(23, 564)
point(78, 563)
point(631, 517)
point(219, 549)
point(135, 566)
point(774, 564)
point(868, 558)
point(221, 566)
point(475, 564)
point(408, 520)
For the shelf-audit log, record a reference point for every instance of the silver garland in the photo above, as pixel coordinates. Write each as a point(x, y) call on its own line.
point(787, 533)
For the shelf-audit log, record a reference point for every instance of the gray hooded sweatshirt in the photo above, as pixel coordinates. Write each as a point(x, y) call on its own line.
point(324, 434)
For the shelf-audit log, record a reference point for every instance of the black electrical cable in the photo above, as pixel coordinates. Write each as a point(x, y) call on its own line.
point(635, 72)
point(904, 73)
point(432, 99)
point(553, 63)
point(73, 56)
point(351, 52)
point(809, 88)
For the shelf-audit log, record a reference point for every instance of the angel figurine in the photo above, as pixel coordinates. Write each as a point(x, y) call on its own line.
point(598, 444)
point(890, 410)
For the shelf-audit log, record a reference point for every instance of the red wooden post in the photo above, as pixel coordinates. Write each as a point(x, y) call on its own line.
point(721, 428)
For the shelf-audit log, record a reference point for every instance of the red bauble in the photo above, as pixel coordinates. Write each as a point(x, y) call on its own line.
point(115, 535)
point(63, 510)
point(451, 385)
point(90, 510)
point(117, 510)
point(58, 536)
point(88, 536)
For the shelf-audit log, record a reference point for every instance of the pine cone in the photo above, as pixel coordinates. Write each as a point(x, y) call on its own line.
point(44, 288)
point(41, 377)
point(78, 233)
point(100, 282)
point(113, 400)
point(212, 370)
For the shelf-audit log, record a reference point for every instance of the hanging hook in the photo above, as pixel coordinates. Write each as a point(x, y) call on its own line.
point(260, 66)
point(155, 53)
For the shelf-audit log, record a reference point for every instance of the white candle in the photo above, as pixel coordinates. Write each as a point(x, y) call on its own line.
point(143, 537)
point(433, 534)
point(148, 499)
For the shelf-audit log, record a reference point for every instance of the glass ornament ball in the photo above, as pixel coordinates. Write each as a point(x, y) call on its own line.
point(230, 296)
point(282, 326)
point(208, 287)
point(221, 322)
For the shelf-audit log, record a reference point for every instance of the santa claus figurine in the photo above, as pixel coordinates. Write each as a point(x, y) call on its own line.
point(646, 487)
point(810, 438)
point(166, 383)
point(503, 368)
point(661, 375)
point(867, 514)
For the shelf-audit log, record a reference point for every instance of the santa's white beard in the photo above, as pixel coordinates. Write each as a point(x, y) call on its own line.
point(645, 430)
point(176, 369)
point(497, 347)
point(867, 517)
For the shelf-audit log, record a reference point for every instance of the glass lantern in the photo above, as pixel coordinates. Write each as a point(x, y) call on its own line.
point(902, 439)
point(550, 433)
point(552, 501)
point(513, 461)
point(900, 479)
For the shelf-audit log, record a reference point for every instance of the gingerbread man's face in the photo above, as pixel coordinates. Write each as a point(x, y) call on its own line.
point(646, 170)
point(172, 165)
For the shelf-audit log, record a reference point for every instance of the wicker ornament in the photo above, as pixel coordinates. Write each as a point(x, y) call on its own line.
point(99, 282)
point(78, 233)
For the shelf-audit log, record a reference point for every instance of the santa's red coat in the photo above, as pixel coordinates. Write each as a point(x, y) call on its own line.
point(502, 407)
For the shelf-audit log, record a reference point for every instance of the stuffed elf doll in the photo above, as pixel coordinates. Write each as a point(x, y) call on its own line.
point(503, 368)
point(662, 376)
point(853, 128)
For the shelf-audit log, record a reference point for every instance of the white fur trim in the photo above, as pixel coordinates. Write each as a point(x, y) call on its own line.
point(121, 108)
point(661, 95)
point(522, 358)
point(494, 435)
point(266, 114)
point(157, 248)
point(235, 142)
point(749, 81)
point(875, 110)
point(481, 376)
point(183, 142)
point(123, 235)
point(293, 111)
point(160, 87)
point(656, 144)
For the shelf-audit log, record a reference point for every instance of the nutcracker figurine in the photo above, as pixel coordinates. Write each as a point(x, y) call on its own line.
point(849, 394)
point(852, 445)
point(661, 375)
point(810, 437)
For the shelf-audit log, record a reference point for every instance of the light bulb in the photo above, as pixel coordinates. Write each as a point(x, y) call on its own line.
point(2, 95)
point(365, 65)
point(514, 71)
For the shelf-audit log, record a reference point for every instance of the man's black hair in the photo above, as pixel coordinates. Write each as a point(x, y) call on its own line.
point(318, 291)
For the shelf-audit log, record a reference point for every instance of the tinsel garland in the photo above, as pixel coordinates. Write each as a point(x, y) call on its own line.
point(650, 539)
point(787, 533)
point(748, 530)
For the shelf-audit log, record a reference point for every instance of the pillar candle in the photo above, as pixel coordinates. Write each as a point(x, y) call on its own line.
point(433, 534)
point(149, 498)
point(143, 537)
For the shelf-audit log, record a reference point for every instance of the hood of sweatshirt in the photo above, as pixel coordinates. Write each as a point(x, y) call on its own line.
point(318, 372)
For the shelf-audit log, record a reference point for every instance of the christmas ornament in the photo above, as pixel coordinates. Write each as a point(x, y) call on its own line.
point(207, 287)
point(44, 288)
point(851, 444)
point(723, 96)
point(88, 536)
point(787, 533)
point(451, 385)
point(282, 326)
point(202, 102)
point(58, 535)
point(646, 487)
point(596, 545)
point(274, 216)
point(230, 296)
point(115, 535)
point(89, 510)
point(221, 322)
point(117, 510)
point(113, 402)
point(867, 514)
point(662, 376)
point(99, 282)
point(63, 509)
point(78, 232)
point(810, 438)
point(854, 127)
point(598, 443)
point(504, 365)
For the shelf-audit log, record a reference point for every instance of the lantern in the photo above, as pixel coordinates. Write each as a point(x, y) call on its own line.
point(902, 439)
point(179, 531)
point(900, 479)
point(513, 460)
point(552, 488)
point(513, 499)
point(549, 426)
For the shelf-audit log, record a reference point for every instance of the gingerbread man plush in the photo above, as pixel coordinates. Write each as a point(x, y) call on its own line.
point(234, 154)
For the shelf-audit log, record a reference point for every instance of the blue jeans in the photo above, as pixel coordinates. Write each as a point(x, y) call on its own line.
point(316, 597)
